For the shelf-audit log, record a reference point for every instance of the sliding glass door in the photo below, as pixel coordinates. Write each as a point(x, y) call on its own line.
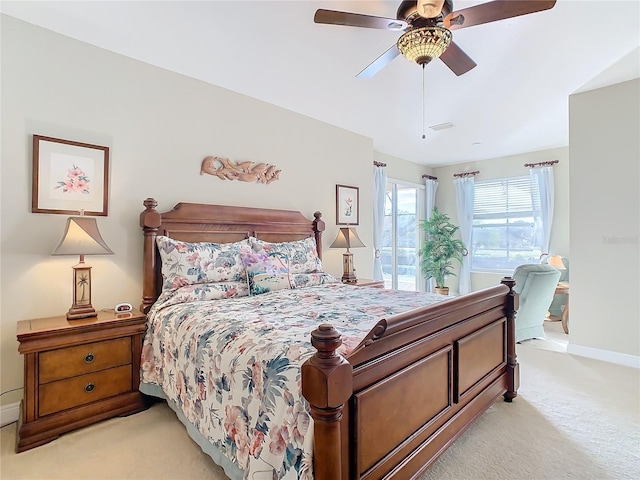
point(401, 236)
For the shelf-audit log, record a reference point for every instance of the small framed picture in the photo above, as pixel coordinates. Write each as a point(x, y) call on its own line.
point(69, 177)
point(347, 205)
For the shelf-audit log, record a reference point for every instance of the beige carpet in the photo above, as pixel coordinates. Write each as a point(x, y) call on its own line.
point(574, 418)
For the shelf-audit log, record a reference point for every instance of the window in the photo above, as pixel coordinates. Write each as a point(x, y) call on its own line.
point(401, 236)
point(503, 225)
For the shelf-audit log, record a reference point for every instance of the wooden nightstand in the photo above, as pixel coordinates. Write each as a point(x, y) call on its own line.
point(78, 372)
point(367, 282)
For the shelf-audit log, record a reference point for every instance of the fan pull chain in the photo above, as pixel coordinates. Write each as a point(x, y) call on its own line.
point(423, 101)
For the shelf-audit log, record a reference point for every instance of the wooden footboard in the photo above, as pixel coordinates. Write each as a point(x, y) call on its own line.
point(413, 386)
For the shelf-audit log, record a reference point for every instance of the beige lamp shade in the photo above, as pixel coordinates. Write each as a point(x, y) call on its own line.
point(347, 238)
point(556, 262)
point(82, 237)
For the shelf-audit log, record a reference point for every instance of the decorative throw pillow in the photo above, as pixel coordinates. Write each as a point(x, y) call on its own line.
point(302, 254)
point(185, 263)
point(267, 272)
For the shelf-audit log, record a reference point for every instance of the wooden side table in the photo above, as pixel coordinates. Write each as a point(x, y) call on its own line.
point(367, 282)
point(78, 372)
point(563, 289)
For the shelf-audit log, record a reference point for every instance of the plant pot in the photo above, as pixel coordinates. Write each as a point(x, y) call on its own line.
point(442, 290)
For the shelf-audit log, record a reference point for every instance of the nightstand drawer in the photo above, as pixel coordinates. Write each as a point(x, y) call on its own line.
point(64, 394)
point(92, 357)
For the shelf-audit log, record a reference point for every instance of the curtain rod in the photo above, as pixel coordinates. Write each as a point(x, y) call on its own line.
point(542, 164)
point(379, 164)
point(430, 177)
point(466, 174)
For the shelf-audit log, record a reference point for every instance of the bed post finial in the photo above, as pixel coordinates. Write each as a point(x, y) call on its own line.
point(327, 384)
point(318, 228)
point(149, 221)
point(513, 369)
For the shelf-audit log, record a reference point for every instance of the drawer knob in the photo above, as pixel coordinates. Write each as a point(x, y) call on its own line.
point(89, 357)
point(89, 387)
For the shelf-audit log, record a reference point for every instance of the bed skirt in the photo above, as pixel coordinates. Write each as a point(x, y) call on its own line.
point(230, 469)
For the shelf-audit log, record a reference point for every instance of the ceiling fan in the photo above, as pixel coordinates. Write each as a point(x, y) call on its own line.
point(427, 26)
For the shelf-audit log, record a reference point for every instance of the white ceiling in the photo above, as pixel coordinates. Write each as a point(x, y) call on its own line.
point(514, 101)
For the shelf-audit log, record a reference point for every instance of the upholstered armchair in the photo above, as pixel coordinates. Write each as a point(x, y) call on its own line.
point(536, 285)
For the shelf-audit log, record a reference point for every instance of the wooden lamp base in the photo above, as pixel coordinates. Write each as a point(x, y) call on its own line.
point(81, 307)
point(81, 312)
point(348, 274)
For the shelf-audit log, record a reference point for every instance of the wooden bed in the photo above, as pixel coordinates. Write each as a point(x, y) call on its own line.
point(417, 382)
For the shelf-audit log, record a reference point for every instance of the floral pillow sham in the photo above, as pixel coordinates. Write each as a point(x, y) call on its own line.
point(302, 254)
point(185, 263)
point(267, 272)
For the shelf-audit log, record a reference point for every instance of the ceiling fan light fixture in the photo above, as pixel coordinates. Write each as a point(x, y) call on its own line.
point(421, 45)
point(430, 8)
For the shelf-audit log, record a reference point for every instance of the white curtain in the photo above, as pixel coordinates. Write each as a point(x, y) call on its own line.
point(431, 185)
point(379, 193)
point(542, 194)
point(464, 203)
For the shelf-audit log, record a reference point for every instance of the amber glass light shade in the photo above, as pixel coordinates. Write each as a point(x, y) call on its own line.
point(421, 45)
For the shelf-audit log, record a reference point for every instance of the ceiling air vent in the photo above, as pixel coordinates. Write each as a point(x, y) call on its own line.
point(441, 126)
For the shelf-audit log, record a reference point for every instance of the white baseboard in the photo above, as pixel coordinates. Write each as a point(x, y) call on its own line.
point(604, 355)
point(9, 413)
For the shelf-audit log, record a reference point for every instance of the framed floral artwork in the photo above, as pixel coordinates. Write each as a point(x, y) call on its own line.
point(69, 177)
point(347, 205)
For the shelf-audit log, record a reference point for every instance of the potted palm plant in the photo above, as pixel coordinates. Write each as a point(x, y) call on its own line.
point(440, 249)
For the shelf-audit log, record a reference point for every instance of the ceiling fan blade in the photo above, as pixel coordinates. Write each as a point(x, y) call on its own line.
point(458, 61)
point(494, 11)
point(333, 17)
point(380, 62)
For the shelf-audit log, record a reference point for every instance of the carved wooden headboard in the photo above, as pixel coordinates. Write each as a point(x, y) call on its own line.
point(198, 222)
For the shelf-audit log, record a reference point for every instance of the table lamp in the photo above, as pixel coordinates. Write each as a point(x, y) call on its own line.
point(347, 238)
point(556, 262)
point(82, 237)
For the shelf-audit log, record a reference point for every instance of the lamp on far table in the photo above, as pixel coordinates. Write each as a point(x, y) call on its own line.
point(82, 237)
point(556, 262)
point(347, 238)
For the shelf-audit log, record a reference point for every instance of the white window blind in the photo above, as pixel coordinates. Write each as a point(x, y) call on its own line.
point(503, 225)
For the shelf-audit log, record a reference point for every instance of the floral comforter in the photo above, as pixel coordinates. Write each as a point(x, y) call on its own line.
point(231, 367)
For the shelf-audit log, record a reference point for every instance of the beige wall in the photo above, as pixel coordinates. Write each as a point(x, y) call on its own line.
point(605, 219)
point(511, 167)
point(159, 126)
